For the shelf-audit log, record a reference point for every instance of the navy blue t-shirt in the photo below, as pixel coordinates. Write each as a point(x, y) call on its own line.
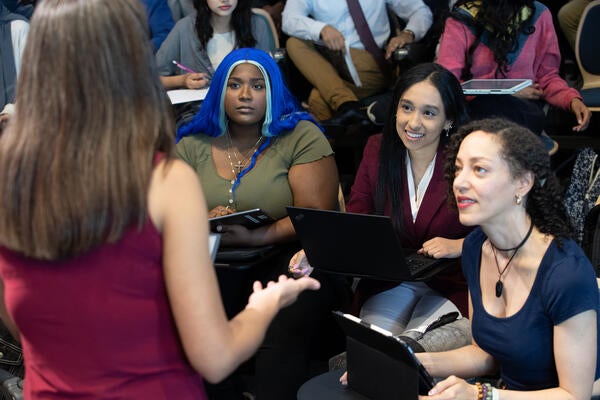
point(522, 344)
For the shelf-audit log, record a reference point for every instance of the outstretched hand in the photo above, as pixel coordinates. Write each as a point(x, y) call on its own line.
point(283, 292)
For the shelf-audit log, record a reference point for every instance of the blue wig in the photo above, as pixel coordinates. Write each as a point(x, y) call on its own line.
point(282, 112)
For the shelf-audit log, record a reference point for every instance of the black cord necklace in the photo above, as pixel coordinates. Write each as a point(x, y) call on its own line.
point(499, 284)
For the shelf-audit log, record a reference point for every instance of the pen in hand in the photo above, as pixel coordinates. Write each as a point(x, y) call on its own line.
point(183, 67)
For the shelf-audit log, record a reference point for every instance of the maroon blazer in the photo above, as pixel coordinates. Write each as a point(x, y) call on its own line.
point(434, 219)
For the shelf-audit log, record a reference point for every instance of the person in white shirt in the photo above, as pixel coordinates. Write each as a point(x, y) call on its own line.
point(329, 23)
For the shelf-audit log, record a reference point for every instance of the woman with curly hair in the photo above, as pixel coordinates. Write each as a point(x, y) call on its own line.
point(533, 296)
point(510, 39)
point(200, 41)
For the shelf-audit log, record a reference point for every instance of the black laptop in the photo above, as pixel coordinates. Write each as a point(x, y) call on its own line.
point(359, 245)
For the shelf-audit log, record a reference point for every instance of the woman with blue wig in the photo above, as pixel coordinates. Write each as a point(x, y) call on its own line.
point(252, 146)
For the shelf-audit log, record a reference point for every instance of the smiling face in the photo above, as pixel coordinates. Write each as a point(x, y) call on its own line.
point(483, 185)
point(246, 96)
point(420, 117)
point(221, 8)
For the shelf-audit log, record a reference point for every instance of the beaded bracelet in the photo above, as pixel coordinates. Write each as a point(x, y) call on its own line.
point(479, 390)
point(484, 391)
point(487, 391)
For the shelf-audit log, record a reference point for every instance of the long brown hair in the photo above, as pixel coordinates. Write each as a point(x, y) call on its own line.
point(76, 161)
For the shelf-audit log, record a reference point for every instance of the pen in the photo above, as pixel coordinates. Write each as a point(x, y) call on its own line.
point(183, 67)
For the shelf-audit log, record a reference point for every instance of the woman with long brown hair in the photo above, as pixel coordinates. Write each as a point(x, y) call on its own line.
point(106, 275)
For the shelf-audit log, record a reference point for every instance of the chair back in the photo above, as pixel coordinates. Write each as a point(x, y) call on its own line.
point(588, 57)
point(274, 39)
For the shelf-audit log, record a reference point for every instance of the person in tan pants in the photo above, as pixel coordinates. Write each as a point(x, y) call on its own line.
point(309, 23)
point(569, 16)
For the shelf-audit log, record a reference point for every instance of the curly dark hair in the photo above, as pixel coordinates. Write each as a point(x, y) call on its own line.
point(240, 21)
point(494, 17)
point(392, 156)
point(523, 152)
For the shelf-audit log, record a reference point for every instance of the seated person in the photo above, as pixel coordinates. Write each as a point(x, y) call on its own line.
point(160, 20)
point(200, 41)
point(401, 175)
point(330, 23)
point(252, 146)
point(477, 42)
point(569, 16)
point(13, 34)
point(533, 293)
point(106, 276)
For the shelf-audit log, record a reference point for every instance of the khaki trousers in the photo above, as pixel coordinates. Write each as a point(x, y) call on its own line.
point(569, 16)
point(330, 90)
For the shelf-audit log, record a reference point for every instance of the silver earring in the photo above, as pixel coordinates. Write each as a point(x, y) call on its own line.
point(518, 199)
point(448, 129)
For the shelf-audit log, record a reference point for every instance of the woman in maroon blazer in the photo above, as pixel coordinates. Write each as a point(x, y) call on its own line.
point(402, 175)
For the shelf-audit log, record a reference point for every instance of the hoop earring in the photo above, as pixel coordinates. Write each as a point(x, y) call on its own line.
point(518, 199)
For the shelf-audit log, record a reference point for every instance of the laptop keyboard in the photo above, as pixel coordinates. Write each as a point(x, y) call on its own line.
point(418, 262)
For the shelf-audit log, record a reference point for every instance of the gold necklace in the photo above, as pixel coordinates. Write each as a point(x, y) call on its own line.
point(240, 164)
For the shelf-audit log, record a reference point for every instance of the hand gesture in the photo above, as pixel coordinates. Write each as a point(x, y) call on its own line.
point(442, 248)
point(197, 80)
point(452, 388)
point(333, 39)
point(299, 265)
point(582, 113)
point(283, 292)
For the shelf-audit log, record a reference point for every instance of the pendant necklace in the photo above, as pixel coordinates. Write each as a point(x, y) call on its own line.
point(499, 284)
point(240, 164)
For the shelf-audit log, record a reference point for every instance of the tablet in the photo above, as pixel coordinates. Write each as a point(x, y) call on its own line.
point(382, 343)
point(251, 219)
point(494, 86)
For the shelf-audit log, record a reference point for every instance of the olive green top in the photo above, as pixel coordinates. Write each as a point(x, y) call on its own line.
point(266, 185)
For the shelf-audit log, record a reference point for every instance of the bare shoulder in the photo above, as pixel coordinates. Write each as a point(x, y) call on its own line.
point(173, 182)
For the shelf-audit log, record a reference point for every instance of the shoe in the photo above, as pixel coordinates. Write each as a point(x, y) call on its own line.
point(549, 143)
